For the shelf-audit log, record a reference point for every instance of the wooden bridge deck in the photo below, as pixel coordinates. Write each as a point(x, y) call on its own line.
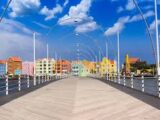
point(79, 99)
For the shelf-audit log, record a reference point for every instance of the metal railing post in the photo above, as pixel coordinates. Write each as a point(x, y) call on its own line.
point(42, 79)
point(119, 78)
point(19, 83)
point(159, 86)
point(7, 85)
point(39, 79)
point(28, 81)
point(34, 80)
point(142, 82)
point(49, 77)
point(124, 79)
point(131, 80)
point(45, 78)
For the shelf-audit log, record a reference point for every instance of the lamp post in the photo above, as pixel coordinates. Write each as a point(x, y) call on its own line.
point(118, 58)
point(34, 57)
point(157, 45)
point(47, 66)
point(107, 56)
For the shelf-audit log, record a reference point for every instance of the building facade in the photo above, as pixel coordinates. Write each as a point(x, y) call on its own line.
point(14, 65)
point(63, 67)
point(75, 68)
point(129, 61)
point(28, 68)
point(108, 67)
point(45, 67)
point(79, 69)
point(3, 67)
point(90, 66)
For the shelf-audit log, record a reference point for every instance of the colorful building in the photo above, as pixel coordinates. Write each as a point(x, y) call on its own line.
point(3, 67)
point(108, 66)
point(14, 65)
point(63, 67)
point(127, 67)
point(76, 68)
point(45, 66)
point(79, 68)
point(90, 66)
point(112, 68)
point(28, 68)
point(128, 62)
point(83, 71)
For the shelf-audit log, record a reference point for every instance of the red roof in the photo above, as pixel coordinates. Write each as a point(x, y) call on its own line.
point(14, 58)
point(112, 61)
point(133, 60)
point(3, 61)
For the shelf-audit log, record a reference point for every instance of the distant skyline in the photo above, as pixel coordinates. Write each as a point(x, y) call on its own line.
point(95, 21)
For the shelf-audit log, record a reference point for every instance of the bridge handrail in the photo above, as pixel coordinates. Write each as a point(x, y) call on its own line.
point(8, 85)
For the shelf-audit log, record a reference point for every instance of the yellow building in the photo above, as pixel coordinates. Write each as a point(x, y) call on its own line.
point(108, 66)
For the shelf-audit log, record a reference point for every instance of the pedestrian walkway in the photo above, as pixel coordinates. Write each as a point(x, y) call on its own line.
point(78, 99)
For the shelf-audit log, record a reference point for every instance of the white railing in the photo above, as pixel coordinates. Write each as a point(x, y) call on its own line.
point(149, 85)
point(8, 86)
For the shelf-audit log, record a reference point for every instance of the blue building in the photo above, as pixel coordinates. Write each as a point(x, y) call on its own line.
point(2, 69)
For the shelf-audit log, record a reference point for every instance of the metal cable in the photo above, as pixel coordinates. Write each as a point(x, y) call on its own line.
point(147, 25)
point(5, 10)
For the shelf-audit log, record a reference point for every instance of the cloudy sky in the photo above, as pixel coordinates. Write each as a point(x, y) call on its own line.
point(66, 24)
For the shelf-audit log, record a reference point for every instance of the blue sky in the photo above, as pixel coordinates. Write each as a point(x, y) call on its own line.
point(87, 22)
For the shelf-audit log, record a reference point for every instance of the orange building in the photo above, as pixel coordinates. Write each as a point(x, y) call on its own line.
point(14, 65)
point(90, 66)
point(63, 66)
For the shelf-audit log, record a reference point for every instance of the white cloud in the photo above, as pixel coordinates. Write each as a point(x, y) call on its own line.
point(77, 12)
point(86, 27)
point(152, 25)
point(117, 27)
point(120, 24)
point(130, 5)
point(15, 40)
point(78, 16)
point(139, 17)
point(120, 9)
point(50, 13)
point(14, 26)
point(21, 7)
